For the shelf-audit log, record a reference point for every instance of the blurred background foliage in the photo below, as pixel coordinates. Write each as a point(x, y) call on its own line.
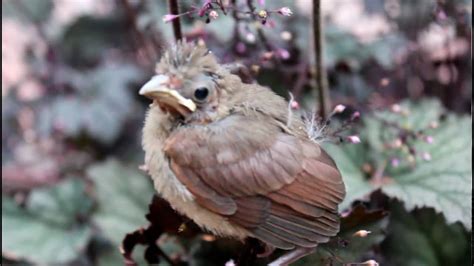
point(71, 123)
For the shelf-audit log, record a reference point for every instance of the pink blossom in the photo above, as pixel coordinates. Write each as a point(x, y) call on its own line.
point(433, 124)
point(294, 105)
point(395, 162)
point(213, 14)
point(353, 139)
point(250, 37)
point(169, 17)
point(370, 263)
point(397, 143)
point(426, 156)
point(241, 47)
point(429, 139)
point(285, 11)
point(396, 108)
point(355, 115)
point(283, 53)
point(339, 108)
point(230, 263)
point(362, 233)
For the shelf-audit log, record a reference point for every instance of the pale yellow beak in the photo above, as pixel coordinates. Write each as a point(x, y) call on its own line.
point(157, 89)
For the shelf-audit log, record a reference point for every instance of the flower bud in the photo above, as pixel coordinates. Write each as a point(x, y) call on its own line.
point(429, 139)
point(263, 14)
point(294, 105)
point(285, 11)
point(396, 108)
point(370, 263)
point(213, 15)
point(426, 156)
point(355, 115)
point(169, 17)
point(362, 233)
point(339, 109)
point(353, 139)
point(395, 162)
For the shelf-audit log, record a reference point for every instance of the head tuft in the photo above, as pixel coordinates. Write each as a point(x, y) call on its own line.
point(187, 59)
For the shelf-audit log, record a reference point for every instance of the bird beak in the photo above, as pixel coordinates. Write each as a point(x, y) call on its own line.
point(157, 89)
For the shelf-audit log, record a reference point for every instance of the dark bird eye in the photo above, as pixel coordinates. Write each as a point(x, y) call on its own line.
point(201, 93)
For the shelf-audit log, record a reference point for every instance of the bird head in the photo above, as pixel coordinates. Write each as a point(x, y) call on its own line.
point(188, 82)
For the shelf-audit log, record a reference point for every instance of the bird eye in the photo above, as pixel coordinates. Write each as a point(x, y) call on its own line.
point(201, 93)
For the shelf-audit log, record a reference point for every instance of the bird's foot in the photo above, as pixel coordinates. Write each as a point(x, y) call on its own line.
point(292, 256)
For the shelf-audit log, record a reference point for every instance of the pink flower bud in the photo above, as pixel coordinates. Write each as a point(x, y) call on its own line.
point(355, 116)
point(294, 105)
point(230, 263)
point(395, 162)
point(384, 82)
point(169, 17)
point(267, 55)
point(286, 35)
point(250, 37)
point(397, 143)
point(396, 108)
point(285, 11)
point(362, 233)
point(353, 139)
point(283, 53)
point(339, 109)
point(370, 263)
point(426, 156)
point(213, 15)
point(433, 124)
point(429, 139)
point(241, 47)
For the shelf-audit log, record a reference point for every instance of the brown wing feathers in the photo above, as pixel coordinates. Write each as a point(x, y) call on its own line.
point(282, 189)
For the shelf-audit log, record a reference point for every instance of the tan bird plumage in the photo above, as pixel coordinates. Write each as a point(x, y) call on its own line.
point(234, 165)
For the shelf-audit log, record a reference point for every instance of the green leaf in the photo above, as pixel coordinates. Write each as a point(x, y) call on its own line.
point(355, 248)
point(27, 10)
point(443, 182)
point(342, 45)
point(46, 231)
point(101, 106)
point(87, 39)
point(123, 196)
point(422, 237)
point(349, 159)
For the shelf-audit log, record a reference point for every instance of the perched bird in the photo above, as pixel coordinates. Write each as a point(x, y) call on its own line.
point(230, 156)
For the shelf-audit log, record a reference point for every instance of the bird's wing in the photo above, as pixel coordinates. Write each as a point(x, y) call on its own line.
point(283, 189)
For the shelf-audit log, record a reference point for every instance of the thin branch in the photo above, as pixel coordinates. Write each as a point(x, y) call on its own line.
point(152, 53)
point(321, 79)
point(260, 32)
point(174, 10)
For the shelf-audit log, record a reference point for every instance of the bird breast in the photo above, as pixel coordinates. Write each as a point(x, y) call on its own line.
point(155, 132)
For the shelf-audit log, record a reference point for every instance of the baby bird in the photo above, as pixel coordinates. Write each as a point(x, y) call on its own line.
point(228, 155)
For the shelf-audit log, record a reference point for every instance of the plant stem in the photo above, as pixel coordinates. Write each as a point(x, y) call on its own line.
point(174, 10)
point(321, 79)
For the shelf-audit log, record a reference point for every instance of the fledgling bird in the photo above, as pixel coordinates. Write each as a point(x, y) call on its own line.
point(230, 156)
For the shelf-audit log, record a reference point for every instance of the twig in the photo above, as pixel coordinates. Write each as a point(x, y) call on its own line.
point(321, 79)
point(152, 53)
point(260, 32)
point(174, 10)
point(378, 175)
